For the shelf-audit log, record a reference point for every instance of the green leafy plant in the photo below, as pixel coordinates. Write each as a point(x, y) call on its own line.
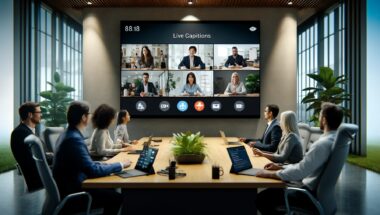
point(252, 83)
point(328, 89)
point(56, 101)
point(188, 144)
point(171, 84)
point(137, 81)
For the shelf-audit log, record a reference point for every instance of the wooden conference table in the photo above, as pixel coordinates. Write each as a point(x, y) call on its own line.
point(195, 193)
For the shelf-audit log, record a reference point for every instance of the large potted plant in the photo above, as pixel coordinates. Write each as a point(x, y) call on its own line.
point(56, 102)
point(329, 88)
point(188, 148)
point(252, 83)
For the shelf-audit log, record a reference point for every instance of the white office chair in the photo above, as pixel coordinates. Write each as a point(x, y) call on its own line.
point(53, 203)
point(304, 130)
point(325, 199)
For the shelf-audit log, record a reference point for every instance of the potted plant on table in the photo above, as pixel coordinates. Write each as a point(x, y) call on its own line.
point(188, 148)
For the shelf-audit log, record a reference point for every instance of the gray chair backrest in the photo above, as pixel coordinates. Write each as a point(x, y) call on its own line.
point(304, 130)
point(51, 135)
point(315, 134)
point(52, 193)
point(333, 167)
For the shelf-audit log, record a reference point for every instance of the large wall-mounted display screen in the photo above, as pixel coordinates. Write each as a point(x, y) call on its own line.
point(190, 69)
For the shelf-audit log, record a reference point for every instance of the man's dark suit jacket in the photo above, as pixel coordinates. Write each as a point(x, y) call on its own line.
point(73, 164)
point(270, 140)
point(24, 157)
point(186, 62)
point(239, 60)
point(151, 89)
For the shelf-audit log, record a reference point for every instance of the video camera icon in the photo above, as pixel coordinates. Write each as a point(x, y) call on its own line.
point(239, 106)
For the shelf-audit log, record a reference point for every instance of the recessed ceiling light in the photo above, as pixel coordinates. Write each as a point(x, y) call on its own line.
point(190, 2)
point(89, 3)
point(290, 3)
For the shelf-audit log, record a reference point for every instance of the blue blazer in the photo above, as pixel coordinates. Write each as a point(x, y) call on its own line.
point(186, 62)
point(270, 139)
point(73, 164)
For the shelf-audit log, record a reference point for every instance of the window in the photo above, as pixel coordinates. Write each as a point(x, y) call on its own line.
point(316, 49)
point(307, 63)
point(56, 46)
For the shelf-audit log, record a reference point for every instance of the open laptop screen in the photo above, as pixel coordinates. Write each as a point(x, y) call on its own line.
point(239, 158)
point(146, 159)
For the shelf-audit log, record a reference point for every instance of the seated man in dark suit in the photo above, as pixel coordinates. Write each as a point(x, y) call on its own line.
point(30, 114)
point(73, 164)
point(272, 135)
point(235, 60)
point(146, 88)
point(191, 61)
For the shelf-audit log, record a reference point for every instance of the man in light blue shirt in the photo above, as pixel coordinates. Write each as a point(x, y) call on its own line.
point(308, 170)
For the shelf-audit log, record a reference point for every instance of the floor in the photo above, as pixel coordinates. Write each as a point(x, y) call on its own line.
point(357, 192)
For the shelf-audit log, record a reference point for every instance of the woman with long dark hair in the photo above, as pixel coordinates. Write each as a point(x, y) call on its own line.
point(146, 61)
point(191, 88)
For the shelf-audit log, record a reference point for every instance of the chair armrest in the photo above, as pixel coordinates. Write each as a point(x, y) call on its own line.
point(308, 194)
point(72, 196)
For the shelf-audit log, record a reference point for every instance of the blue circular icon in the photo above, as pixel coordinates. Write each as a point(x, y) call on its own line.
point(182, 106)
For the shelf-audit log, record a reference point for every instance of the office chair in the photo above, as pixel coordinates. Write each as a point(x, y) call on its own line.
point(315, 134)
point(53, 203)
point(51, 135)
point(325, 199)
point(304, 130)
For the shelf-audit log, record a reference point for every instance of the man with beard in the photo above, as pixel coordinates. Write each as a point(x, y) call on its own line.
point(307, 171)
point(30, 114)
point(235, 60)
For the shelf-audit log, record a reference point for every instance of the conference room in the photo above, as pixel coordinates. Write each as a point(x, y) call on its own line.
point(189, 107)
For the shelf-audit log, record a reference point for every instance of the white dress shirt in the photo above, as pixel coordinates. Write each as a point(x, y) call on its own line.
point(146, 88)
point(191, 61)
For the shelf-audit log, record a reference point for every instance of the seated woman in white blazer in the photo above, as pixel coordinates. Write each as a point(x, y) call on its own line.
point(101, 141)
point(290, 148)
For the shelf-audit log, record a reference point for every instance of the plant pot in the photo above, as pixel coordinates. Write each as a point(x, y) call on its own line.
point(190, 159)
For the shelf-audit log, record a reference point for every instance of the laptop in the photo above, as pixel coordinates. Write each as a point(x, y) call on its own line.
point(241, 164)
point(145, 144)
point(144, 165)
point(223, 135)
